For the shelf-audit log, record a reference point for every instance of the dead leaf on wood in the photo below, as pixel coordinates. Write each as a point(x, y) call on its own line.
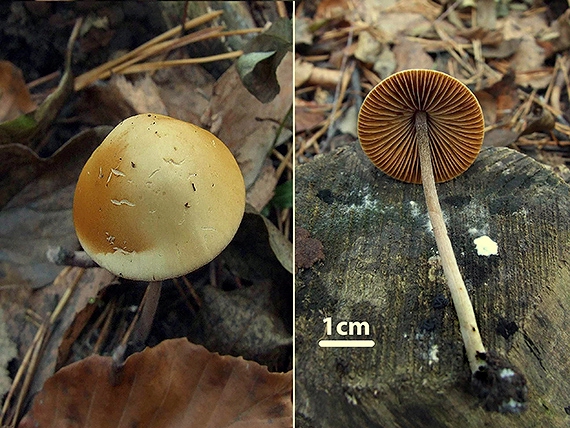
point(175, 384)
point(256, 70)
point(35, 207)
point(308, 250)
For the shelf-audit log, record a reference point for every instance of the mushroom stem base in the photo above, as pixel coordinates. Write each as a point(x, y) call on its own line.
point(467, 322)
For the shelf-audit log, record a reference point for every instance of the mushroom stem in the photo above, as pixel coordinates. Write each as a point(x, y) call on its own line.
point(147, 312)
point(461, 301)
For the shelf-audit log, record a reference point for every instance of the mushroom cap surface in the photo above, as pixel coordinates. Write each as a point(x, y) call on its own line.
point(158, 199)
point(387, 131)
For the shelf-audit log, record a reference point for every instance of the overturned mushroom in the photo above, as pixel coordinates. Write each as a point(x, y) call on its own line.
point(158, 199)
point(423, 126)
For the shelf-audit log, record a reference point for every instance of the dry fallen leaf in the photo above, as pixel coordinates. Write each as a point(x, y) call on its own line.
point(14, 95)
point(29, 127)
point(35, 207)
point(15, 307)
point(242, 322)
point(259, 250)
point(247, 126)
point(411, 55)
point(8, 351)
point(175, 384)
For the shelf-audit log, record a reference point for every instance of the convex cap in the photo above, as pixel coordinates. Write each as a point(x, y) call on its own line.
point(158, 198)
point(387, 132)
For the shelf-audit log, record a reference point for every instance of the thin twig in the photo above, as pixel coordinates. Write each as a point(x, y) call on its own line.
point(107, 315)
point(337, 94)
point(93, 75)
point(42, 336)
point(151, 66)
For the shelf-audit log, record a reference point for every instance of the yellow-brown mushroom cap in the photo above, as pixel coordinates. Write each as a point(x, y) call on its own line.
point(387, 132)
point(158, 198)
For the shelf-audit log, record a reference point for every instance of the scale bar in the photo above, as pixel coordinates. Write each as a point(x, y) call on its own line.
point(346, 343)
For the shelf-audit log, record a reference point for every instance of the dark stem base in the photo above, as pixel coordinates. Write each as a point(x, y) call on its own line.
point(501, 386)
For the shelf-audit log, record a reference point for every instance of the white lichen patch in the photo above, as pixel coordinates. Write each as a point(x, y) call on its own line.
point(434, 263)
point(473, 231)
point(485, 246)
point(367, 204)
point(416, 212)
point(476, 218)
point(414, 209)
point(511, 406)
point(429, 227)
point(351, 399)
point(432, 354)
point(506, 373)
point(523, 213)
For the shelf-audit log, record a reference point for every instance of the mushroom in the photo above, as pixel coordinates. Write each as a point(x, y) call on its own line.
point(424, 126)
point(158, 199)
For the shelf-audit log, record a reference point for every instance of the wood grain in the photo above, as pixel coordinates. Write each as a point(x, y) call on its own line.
point(379, 267)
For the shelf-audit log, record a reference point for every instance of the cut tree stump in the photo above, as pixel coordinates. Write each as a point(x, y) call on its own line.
point(379, 267)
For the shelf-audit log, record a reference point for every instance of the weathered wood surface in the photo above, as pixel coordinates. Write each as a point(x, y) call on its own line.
point(377, 268)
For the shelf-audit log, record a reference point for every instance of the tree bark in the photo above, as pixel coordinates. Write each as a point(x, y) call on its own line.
point(379, 267)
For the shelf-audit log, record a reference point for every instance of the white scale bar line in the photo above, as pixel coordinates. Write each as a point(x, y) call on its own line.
point(346, 343)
